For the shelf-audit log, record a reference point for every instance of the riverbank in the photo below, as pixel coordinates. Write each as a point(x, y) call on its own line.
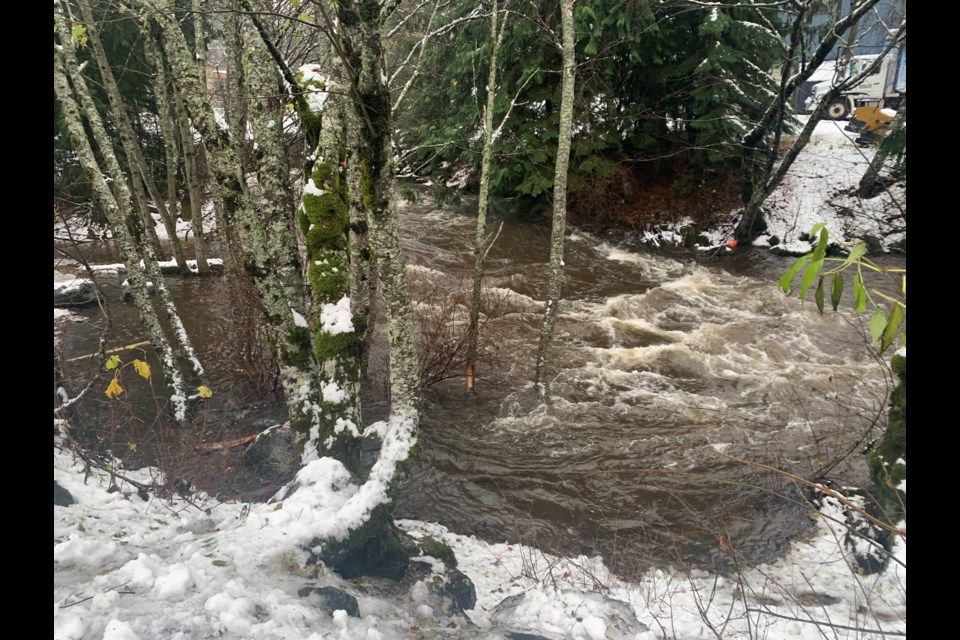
point(821, 186)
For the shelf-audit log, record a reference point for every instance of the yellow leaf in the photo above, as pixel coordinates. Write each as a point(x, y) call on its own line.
point(142, 368)
point(205, 391)
point(112, 362)
point(114, 389)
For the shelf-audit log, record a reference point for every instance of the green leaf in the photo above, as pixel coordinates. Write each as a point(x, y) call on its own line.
point(591, 48)
point(893, 325)
point(821, 249)
point(809, 275)
point(855, 254)
point(859, 294)
point(877, 323)
point(818, 296)
point(112, 362)
point(79, 34)
point(787, 280)
point(142, 368)
point(836, 291)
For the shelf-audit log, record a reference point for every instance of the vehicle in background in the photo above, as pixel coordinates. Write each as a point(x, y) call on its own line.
point(883, 88)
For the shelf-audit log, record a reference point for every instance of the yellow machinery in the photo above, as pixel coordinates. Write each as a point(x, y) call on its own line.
point(872, 121)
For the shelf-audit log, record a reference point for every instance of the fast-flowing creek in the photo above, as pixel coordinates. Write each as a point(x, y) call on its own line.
point(664, 365)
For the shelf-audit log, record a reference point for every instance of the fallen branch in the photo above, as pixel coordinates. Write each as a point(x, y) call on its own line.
point(129, 347)
point(225, 444)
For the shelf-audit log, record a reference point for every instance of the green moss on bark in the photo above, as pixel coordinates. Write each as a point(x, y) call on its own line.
point(373, 549)
point(888, 458)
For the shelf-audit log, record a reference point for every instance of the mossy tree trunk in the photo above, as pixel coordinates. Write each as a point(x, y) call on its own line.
point(140, 174)
point(115, 208)
point(355, 29)
point(275, 198)
point(888, 458)
point(559, 200)
point(325, 223)
point(290, 340)
point(191, 168)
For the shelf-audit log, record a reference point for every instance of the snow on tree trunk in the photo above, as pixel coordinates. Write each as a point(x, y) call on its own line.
point(559, 200)
point(289, 338)
point(324, 219)
point(114, 208)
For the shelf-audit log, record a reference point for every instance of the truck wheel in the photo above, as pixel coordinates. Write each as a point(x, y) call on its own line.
point(838, 109)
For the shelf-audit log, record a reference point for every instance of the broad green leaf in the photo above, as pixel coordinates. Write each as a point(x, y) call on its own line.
point(821, 249)
point(877, 322)
point(818, 296)
point(114, 389)
point(855, 254)
point(79, 34)
point(893, 325)
point(859, 294)
point(142, 368)
point(112, 362)
point(204, 391)
point(787, 280)
point(836, 291)
point(809, 275)
point(817, 227)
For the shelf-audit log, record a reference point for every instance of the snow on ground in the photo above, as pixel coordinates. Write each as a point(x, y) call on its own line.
point(128, 567)
point(819, 187)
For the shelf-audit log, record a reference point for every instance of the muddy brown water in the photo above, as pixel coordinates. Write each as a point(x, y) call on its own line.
point(664, 361)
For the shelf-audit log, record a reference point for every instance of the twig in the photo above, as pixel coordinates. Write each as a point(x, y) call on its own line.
point(833, 625)
point(823, 489)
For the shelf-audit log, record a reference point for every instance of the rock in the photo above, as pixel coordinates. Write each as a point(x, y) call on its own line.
point(272, 454)
point(435, 549)
point(61, 497)
point(72, 292)
point(692, 237)
point(127, 294)
point(374, 549)
point(619, 619)
point(520, 635)
point(461, 589)
point(330, 599)
point(813, 599)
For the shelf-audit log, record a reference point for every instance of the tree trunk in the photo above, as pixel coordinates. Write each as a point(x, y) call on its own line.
point(559, 200)
point(290, 340)
point(114, 208)
point(191, 166)
point(871, 178)
point(479, 251)
point(274, 191)
point(131, 147)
